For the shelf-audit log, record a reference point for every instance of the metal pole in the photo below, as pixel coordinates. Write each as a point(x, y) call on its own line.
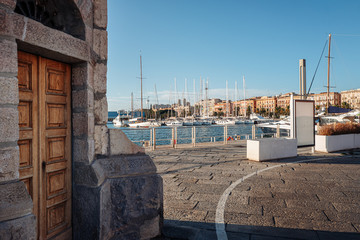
point(253, 132)
point(278, 131)
point(151, 137)
point(141, 89)
point(173, 137)
point(224, 135)
point(154, 138)
point(328, 78)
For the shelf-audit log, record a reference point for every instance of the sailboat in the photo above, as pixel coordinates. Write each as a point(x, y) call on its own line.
point(139, 122)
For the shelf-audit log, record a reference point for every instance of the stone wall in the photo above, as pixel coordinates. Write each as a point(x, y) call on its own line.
point(116, 190)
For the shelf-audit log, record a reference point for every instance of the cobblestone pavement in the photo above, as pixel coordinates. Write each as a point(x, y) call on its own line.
point(319, 199)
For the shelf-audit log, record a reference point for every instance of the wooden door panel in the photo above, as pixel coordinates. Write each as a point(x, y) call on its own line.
point(28, 125)
point(45, 141)
point(56, 154)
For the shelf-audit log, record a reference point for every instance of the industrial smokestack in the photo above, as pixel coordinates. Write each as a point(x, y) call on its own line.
point(302, 75)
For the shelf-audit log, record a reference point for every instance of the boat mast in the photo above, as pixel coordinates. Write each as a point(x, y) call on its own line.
point(244, 96)
point(227, 100)
point(186, 98)
point(157, 102)
point(235, 100)
point(328, 78)
point(194, 113)
point(206, 98)
point(201, 98)
point(132, 105)
point(141, 89)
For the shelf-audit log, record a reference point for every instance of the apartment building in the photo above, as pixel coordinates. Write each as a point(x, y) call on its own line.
point(266, 102)
point(352, 97)
point(224, 108)
point(321, 99)
point(283, 100)
point(243, 105)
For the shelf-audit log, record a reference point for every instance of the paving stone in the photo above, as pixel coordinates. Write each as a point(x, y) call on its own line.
point(295, 213)
point(295, 197)
point(248, 219)
point(349, 207)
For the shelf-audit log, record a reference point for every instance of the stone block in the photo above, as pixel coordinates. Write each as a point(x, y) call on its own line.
point(9, 127)
point(126, 203)
point(271, 148)
point(150, 228)
point(86, 212)
point(59, 42)
point(20, 228)
point(82, 75)
point(8, 56)
point(9, 93)
point(127, 165)
point(83, 99)
point(100, 78)
point(139, 200)
point(89, 35)
point(120, 144)
point(86, 10)
point(88, 175)
point(83, 150)
point(83, 124)
point(9, 3)
point(100, 13)
point(101, 110)
point(15, 201)
point(9, 164)
point(100, 43)
point(101, 139)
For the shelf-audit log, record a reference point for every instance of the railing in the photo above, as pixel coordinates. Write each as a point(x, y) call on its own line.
point(193, 136)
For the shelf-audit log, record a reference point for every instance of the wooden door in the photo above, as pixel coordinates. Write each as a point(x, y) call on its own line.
point(49, 177)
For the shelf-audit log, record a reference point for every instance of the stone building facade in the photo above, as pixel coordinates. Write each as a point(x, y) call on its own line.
point(268, 103)
point(352, 97)
point(63, 173)
point(321, 99)
point(283, 100)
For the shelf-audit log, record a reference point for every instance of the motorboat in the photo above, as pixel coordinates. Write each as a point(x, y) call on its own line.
point(225, 121)
point(271, 127)
point(174, 123)
point(118, 122)
point(352, 116)
point(138, 123)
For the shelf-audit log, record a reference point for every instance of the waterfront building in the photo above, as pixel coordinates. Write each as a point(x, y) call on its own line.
point(320, 99)
point(283, 100)
point(242, 106)
point(221, 108)
point(267, 102)
point(207, 107)
point(351, 97)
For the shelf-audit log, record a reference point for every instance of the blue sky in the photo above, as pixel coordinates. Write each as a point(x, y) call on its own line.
point(224, 41)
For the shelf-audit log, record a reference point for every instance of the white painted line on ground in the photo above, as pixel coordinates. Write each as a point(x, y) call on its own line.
point(219, 216)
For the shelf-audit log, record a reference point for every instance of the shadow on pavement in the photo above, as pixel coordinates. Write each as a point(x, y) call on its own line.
point(181, 230)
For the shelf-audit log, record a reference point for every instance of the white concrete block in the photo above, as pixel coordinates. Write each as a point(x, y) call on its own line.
point(271, 148)
point(335, 142)
point(357, 140)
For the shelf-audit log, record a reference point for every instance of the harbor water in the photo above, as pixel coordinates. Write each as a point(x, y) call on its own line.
point(211, 133)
